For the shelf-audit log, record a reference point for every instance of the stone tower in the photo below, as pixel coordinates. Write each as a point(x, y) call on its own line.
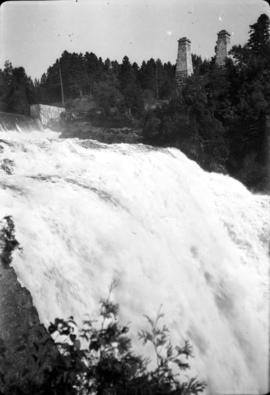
point(184, 66)
point(223, 42)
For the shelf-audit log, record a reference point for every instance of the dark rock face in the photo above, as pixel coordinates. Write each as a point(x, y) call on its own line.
point(26, 349)
point(7, 165)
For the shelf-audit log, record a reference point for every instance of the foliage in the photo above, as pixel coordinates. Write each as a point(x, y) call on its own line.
point(220, 117)
point(109, 366)
point(108, 96)
point(189, 123)
point(99, 359)
point(8, 240)
point(259, 35)
point(163, 379)
point(247, 130)
point(122, 83)
point(17, 90)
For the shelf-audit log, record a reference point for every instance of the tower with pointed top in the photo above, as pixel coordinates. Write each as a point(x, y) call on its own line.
point(223, 42)
point(184, 67)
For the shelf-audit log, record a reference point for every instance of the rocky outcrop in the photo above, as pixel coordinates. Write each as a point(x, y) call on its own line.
point(26, 349)
point(85, 130)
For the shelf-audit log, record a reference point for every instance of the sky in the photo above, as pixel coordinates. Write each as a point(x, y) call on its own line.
point(33, 34)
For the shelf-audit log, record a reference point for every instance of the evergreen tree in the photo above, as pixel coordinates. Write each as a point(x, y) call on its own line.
point(130, 88)
point(126, 74)
point(92, 68)
point(259, 38)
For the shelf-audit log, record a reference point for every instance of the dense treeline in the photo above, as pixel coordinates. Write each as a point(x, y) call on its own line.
point(118, 89)
point(220, 116)
point(218, 119)
point(17, 90)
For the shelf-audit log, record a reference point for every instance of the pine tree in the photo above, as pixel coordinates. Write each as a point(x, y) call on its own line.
point(259, 36)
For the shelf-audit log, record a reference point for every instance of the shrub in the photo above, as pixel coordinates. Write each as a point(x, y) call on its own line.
point(8, 240)
point(102, 350)
point(97, 359)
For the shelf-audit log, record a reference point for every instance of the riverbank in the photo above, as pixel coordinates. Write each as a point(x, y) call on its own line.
point(86, 130)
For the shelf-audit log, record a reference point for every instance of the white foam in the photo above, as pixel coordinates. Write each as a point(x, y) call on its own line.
point(170, 233)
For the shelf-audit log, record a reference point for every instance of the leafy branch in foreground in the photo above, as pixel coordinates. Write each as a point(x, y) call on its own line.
point(97, 359)
point(108, 364)
point(164, 379)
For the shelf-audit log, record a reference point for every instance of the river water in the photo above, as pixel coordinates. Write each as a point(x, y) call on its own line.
point(169, 233)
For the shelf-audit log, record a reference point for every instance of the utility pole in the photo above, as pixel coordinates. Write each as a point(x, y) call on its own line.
point(62, 87)
point(156, 78)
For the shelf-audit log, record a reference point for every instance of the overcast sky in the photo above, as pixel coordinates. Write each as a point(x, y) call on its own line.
point(34, 33)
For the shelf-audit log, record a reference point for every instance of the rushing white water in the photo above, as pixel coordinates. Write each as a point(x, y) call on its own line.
point(168, 232)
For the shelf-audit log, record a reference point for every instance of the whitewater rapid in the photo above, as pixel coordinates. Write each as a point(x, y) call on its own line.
point(169, 233)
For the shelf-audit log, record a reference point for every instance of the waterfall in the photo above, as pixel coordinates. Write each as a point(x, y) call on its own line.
point(19, 122)
point(168, 232)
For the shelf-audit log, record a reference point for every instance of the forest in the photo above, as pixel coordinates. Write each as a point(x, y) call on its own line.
point(220, 118)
